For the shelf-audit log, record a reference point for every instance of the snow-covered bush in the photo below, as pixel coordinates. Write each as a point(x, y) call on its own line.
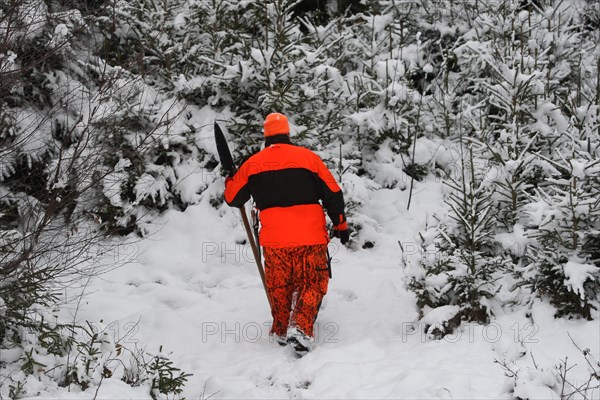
point(564, 219)
point(459, 267)
point(47, 354)
point(79, 143)
point(538, 122)
point(518, 83)
point(525, 379)
point(165, 378)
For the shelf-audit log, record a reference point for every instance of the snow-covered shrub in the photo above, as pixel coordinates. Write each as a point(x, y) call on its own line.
point(272, 69)
point(153, 157)
point(93, 349)
point(383, 101)
point(523, 86)
point(459, 267)
point(166, 379)
point(528, 380)
point(565, 226)
point(44, 160)
point(98, 357)
point(85, 149)
point(531, 382)
point(535, 130)
point(47, 354)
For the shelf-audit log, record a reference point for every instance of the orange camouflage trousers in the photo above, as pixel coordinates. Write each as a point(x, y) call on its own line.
point(297, 280)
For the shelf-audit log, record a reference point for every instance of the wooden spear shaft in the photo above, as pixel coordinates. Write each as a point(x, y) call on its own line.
point(254, 246)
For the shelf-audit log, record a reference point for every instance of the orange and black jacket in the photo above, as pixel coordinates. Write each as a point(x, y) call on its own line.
point(286, 183)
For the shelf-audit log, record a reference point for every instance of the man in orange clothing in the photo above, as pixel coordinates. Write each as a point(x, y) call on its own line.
point(288, 184)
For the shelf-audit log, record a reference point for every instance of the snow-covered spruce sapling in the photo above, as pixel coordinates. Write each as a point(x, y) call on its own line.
point(319, 113)
point(510, 137)
point(149, 50)
point(562, 214)
point(20, 293)
point(525, 102)
point(16, 390)
point(564, 218)
point(165, 378)
point(458, 267)
point(383, 99)
point(88, 367)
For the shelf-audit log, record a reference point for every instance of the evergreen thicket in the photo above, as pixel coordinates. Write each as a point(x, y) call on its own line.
point(106, 110)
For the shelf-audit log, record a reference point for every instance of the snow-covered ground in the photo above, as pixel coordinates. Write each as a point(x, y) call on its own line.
point(193, 290)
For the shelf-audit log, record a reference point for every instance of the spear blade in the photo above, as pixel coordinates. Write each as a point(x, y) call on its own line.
point(223, 151)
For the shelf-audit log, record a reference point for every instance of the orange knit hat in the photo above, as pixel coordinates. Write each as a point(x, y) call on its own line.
point(276, 124)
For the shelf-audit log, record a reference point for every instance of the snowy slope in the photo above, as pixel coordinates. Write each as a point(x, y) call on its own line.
point(194, 291)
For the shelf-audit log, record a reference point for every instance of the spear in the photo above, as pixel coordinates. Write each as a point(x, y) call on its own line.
point(229, 168)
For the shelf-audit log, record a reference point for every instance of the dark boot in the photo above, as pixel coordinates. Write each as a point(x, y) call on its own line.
point(299, 341)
